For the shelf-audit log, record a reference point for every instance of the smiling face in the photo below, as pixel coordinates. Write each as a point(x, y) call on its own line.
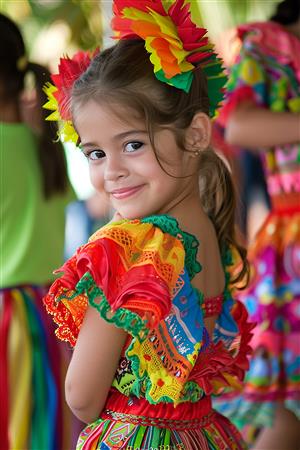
point(123, 164)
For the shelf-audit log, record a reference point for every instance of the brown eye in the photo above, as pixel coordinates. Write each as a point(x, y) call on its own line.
point(133, 146)
point(95, 155)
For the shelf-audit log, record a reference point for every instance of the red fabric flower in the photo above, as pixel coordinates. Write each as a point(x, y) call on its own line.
point(69, 70)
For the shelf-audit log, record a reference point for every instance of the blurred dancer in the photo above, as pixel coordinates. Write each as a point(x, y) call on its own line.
point(34, 192)
point(262, 113)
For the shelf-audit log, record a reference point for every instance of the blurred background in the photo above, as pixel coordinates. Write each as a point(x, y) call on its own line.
point(53, 28)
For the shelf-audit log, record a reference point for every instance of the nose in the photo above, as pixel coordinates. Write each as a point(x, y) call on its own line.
point(115, 168)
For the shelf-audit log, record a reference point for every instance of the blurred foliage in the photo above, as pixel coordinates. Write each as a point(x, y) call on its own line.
point(83, 17)
point(245, 10)
point(221, 15)
point(86, 21)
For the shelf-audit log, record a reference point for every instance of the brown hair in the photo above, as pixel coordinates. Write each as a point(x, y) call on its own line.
point(50, 152)
point(123, 74)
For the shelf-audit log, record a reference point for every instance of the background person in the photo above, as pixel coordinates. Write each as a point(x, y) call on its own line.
point(34, 192)
point(262, 113)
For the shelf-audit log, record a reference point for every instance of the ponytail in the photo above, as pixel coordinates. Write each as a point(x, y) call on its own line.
point(218, 199)
point(50, 151)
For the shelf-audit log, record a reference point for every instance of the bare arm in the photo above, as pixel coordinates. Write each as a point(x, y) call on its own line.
point(253, 127)
point(93, 366)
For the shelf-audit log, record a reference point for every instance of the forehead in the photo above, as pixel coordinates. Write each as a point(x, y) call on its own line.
point(94, 115)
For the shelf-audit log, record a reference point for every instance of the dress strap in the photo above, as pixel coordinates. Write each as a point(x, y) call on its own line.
point(212, 306)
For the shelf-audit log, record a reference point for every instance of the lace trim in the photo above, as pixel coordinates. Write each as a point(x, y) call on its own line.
point(190, 243)
point(122, 318)
point(152, 383)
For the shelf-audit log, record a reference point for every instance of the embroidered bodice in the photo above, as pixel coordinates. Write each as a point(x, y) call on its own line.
point(138, 275)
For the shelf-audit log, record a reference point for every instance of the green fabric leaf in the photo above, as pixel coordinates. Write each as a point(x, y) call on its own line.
point(181, 81)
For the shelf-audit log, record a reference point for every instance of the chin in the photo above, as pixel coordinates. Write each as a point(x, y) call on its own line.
point(132, 216)
point(134, 213)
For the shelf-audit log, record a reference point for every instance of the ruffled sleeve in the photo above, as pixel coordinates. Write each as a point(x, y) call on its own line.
point(127, 271)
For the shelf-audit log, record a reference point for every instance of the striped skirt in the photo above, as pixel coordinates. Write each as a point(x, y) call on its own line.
point(33, 414)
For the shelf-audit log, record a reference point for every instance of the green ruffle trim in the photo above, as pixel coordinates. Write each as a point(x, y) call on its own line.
point(122, 318)
point(190, 243)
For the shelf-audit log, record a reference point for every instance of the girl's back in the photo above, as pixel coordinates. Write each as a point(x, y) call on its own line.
point(211, 280)
point(168, 359)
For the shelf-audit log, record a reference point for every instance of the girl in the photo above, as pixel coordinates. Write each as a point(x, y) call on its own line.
point(151, 316)
point(262, 111)
point(34, 192)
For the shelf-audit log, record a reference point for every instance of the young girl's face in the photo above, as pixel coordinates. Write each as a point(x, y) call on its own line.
point(123, 164)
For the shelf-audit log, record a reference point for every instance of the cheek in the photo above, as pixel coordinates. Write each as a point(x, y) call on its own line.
point(96, 176)
point(150, 168)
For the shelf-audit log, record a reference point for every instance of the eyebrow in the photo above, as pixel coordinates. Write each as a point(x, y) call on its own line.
point(117, 137)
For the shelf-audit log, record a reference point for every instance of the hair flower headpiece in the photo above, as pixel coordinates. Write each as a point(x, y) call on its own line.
point(59, 93)
point(176, 44)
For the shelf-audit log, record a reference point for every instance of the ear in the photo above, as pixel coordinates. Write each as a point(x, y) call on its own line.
point(198, 134)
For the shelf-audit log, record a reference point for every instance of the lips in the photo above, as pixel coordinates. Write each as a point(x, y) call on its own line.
point(126, 192)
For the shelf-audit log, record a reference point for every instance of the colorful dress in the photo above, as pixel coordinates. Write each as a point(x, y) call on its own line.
point(33, 412)
point(138, 274)
point(268, 72)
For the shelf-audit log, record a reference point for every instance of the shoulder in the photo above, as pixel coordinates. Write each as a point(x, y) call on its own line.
point(128, 232)
point(142, 241)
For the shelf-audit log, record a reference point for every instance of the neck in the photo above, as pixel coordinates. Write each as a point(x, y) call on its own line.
point(187, 209)
point(9, 112)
